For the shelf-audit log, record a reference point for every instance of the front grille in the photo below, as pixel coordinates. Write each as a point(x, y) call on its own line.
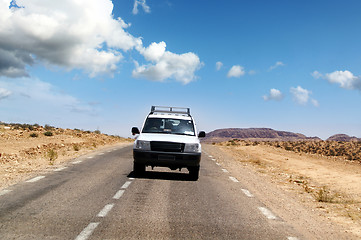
point(167, 146)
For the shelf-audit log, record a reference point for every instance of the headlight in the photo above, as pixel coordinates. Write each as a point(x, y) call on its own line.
point(192, 147)
point(143, 145)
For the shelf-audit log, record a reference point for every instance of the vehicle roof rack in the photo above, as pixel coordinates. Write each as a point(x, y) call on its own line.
point(177, 110)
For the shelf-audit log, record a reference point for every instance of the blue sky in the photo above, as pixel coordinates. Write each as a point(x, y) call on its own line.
point(287, 65)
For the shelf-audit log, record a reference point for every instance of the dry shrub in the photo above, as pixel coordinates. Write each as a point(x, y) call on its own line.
point(76, 147)
point(33, 135)
point(48, 133)
point(257, 162)
point(52, 156)
point(323, 195)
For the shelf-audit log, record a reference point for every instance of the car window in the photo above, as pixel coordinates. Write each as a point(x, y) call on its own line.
point(169, 125)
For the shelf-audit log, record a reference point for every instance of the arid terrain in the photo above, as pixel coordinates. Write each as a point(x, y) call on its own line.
point(323, 175)
point(27, 149)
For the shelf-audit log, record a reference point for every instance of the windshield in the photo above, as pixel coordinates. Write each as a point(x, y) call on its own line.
point(169, 126)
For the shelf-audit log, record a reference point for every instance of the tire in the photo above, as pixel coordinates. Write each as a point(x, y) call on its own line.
point(194, 173)
point(138, 168)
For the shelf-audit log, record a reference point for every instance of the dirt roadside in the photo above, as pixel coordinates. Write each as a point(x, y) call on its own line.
point(325, 191)
point(24, 153)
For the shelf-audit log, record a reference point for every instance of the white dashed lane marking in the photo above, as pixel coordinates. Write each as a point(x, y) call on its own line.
point(3, 192)
point(76, 162)
point(35, 179)
point(218, 164)
point(85, 234)
point(88, 231)
point(247, 193)
point(126, 184)
point(105, 210)
point(292, 238)
point(60, 169)
point(118, 194)
point(224, 170)
point(234, 179)
point(267, 213)
point(213, 159)
point(90, 157)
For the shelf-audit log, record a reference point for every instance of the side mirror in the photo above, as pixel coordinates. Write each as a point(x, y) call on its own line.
point(135, 130)
point(201, 134)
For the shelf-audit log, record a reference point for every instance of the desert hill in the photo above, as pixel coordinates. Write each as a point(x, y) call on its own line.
point(225, 134)
point(343, 138)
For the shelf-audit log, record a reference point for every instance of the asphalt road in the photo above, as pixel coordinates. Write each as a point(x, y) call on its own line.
point(97, 197)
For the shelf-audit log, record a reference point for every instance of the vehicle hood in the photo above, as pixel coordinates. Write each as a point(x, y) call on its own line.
point(167, 138)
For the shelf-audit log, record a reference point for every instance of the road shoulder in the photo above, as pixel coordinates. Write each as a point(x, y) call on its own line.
point(287, 199)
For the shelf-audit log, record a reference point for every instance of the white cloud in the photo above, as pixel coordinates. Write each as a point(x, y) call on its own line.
point(315, 103)
point(274, 94)
point(154, 52)
point(143, 4)
point(277, 64)
point(219, 65)
point(165, 64)
point(236, 71)
point(4, 93)
point(38, 96)
point(302, 96)
point(73, 34)
point(83, 35)
point(316, 75)
point(345, 79)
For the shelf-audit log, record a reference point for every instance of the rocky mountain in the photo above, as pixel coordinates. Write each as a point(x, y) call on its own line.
point(254, 134)
point(343, 138)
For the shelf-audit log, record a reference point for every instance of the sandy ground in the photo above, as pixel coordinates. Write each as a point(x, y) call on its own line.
point(328, 185)
point(22, 156)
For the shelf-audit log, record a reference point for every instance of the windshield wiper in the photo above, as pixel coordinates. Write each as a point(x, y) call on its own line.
point(183, 134)
point(171, 133)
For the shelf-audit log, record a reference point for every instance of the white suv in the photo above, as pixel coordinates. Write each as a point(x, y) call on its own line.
point(168, 139)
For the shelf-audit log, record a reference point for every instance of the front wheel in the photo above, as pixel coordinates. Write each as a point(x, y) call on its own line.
point(138, 168)
point(194, 173)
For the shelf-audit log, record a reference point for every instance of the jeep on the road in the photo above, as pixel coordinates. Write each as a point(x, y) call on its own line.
point(168, 139)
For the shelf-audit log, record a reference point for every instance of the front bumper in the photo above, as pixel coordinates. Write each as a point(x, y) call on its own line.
point(166, 159)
